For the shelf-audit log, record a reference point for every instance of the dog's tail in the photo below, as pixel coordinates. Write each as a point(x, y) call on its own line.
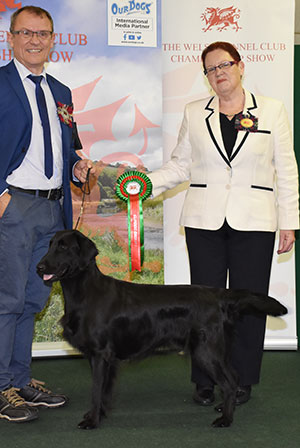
point(249, 302)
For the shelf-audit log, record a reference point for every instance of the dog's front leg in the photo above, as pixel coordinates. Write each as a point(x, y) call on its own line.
point(92, 418)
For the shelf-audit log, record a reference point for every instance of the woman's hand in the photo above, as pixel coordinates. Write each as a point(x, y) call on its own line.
point(286, 241)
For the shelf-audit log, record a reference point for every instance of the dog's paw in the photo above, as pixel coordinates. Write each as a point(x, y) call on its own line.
point(222, 422)
point(88, 423)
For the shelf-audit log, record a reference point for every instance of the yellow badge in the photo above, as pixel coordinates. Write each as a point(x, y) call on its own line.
point(247, 123)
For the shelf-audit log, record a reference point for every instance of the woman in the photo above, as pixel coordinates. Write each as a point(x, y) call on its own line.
point(235, 148)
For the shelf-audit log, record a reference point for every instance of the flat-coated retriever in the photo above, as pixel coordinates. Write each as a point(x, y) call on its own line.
point(110, 320)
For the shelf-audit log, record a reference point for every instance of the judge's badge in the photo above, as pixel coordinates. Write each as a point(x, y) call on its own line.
point(246, 123)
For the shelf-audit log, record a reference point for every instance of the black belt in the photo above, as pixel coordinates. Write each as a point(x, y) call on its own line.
point(52, 195)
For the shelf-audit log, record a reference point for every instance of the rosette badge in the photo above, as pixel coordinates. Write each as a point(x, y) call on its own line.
point(134, 187)
point(65, 113)
point(246, 123)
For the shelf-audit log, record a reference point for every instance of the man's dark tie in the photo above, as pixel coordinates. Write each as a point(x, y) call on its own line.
point(41, 102)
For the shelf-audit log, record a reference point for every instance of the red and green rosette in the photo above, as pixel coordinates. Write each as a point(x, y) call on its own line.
point(134, 187)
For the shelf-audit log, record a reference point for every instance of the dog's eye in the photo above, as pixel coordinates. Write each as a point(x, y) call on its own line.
point(63, 246)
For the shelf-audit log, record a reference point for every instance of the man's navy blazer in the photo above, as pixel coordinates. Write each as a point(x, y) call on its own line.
point(16, 126)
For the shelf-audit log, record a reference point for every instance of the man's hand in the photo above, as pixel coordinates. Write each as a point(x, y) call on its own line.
point(286, 241)
point(4, 201)
point(81, 169)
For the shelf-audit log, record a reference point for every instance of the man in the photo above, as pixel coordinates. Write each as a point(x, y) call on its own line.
point(37, 162)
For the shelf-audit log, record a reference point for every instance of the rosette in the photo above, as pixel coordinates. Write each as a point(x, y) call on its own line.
point(134, 187)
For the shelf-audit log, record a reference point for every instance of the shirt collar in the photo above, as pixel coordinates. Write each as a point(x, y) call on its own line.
point(24, 72)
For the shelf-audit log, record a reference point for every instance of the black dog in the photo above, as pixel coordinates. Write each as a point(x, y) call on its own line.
point(110, 320)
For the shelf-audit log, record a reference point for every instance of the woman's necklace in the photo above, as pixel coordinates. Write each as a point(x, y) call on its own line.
point(230, 116)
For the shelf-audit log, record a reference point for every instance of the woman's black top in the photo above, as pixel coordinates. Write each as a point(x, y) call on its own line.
point(229, 133)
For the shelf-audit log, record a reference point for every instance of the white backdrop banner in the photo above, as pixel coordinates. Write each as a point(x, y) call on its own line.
point(263, 33)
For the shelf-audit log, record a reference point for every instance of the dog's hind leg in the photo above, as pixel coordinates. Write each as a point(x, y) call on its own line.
point(92, 418)
point(224, 377)
point(227, 381)
point(210, 355)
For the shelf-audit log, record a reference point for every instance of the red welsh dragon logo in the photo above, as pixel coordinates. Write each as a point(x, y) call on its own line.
point(221, 18)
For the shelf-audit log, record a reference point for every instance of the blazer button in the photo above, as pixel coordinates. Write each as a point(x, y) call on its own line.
point(227, 187)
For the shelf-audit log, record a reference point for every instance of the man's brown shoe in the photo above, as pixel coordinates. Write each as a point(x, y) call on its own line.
point(36, 394)
point(14, 408)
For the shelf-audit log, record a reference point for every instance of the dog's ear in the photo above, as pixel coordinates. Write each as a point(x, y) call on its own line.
point(88, 250)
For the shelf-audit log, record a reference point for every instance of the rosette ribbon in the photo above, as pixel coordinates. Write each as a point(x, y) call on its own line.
point(133, 187)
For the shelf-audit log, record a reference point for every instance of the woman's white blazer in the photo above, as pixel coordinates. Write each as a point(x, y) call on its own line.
point(255, 189)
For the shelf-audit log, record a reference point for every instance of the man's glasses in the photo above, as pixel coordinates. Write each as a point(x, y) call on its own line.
point(223, 66)
point(27, 34)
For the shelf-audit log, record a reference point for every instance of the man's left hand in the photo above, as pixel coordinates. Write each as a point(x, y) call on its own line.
point(81, 169)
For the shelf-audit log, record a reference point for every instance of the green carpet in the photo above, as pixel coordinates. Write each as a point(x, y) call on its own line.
point(153, 408)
